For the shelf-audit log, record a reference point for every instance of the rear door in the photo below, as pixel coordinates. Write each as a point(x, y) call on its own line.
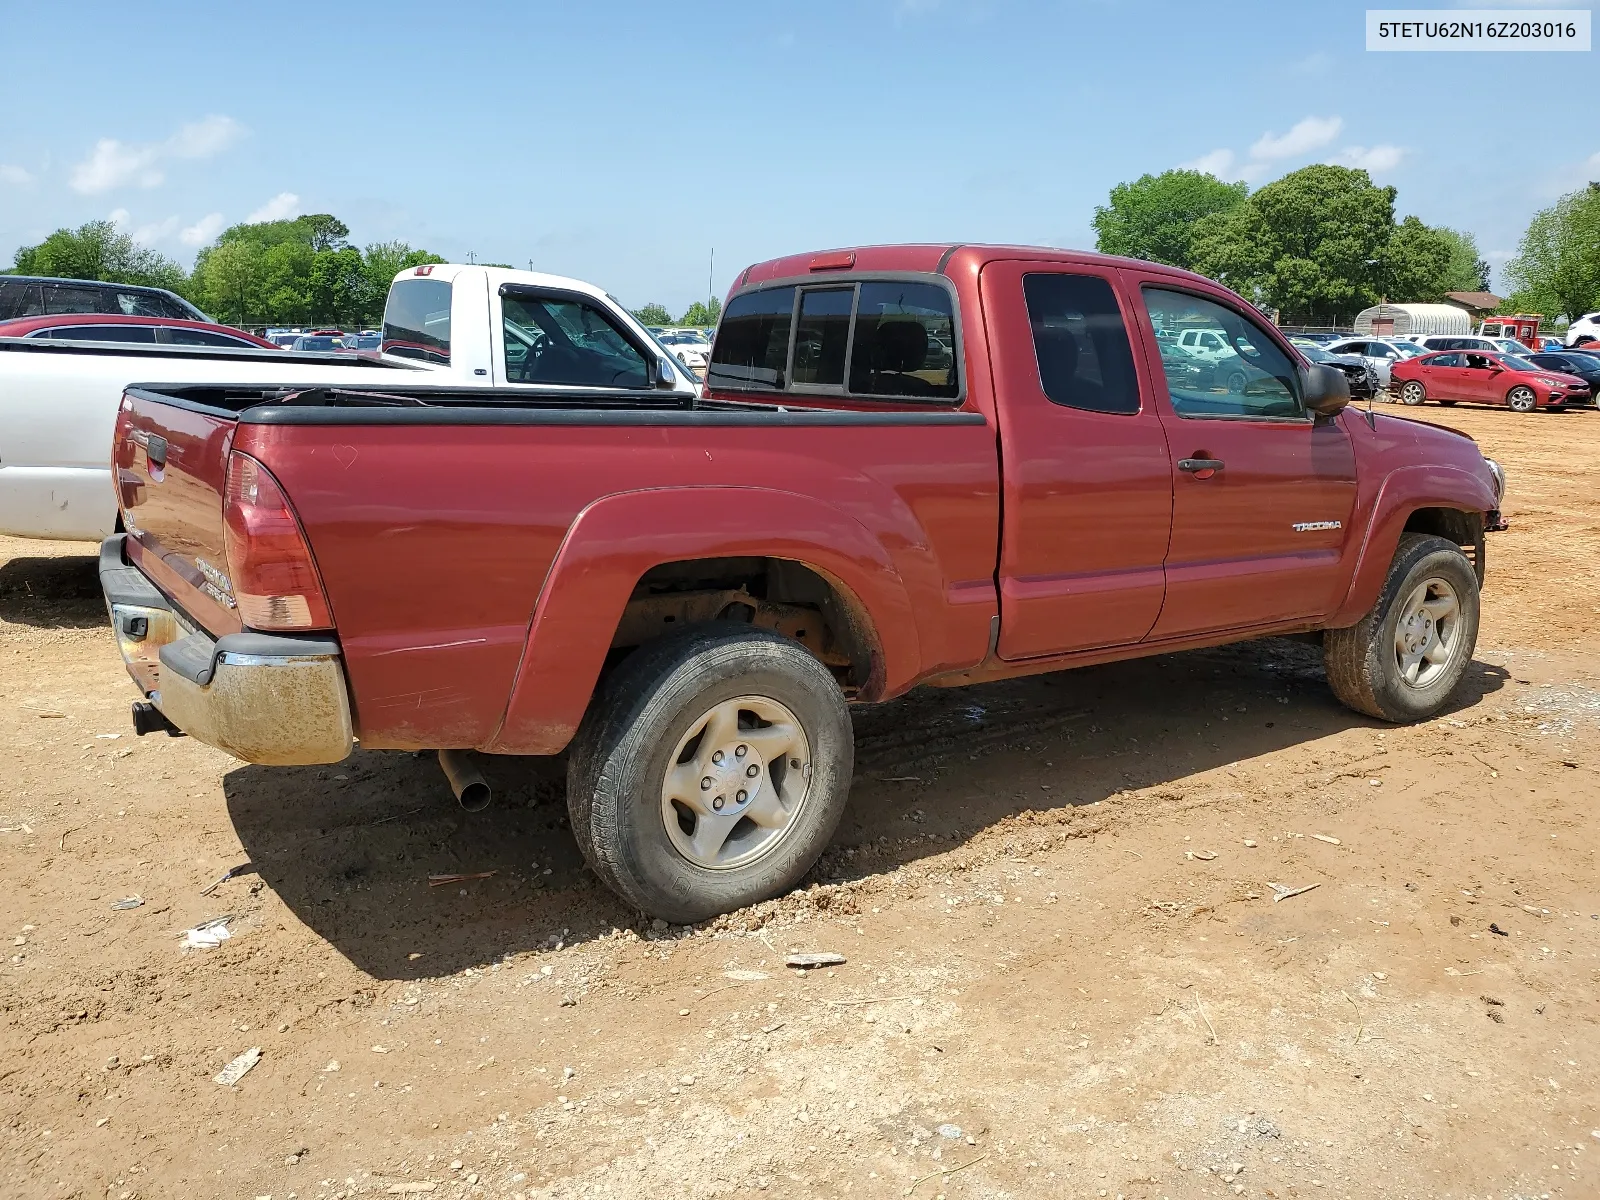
point(1262, 494)
point(1084, 462)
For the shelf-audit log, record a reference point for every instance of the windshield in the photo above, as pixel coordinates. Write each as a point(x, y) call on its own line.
point(1407, 349)
point(364, 342)
point(1518, 364)
point(316, 343)
point(1315, 353)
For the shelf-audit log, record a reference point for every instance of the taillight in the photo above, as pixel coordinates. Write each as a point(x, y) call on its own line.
point(274, 578)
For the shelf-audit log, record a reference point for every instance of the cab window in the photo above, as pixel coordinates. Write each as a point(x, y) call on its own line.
point(1247, 376)
point(1080, 343)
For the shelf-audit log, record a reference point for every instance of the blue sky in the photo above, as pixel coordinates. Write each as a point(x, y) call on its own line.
point(622, 142)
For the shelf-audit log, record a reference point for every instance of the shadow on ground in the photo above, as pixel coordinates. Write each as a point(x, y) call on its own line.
point(52, 593)
point(350, 848)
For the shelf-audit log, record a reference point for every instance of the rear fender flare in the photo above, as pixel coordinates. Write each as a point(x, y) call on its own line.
point(618, 538)
point(1403, 492)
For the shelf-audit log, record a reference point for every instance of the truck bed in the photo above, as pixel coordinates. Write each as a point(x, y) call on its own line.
point(439, 518)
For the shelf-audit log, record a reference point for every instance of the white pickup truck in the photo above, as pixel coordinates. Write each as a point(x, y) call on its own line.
point(462, 325)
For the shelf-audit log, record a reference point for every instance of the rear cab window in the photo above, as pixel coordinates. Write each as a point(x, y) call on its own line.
point(416, 320)
point(875, 339)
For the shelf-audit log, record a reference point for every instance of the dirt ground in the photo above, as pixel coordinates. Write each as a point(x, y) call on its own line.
point(1066, 973)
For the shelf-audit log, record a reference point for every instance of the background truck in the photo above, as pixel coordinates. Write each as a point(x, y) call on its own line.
point(911, 465)
point(61, 396)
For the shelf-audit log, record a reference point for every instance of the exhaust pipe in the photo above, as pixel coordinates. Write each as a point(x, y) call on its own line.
point(466, 780)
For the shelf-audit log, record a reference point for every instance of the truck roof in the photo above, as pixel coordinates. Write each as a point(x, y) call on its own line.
point(931, 257)
point(450, 272)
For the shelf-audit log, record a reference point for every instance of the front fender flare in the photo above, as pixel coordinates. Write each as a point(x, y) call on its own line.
point(1404, 491)
point(616, 539)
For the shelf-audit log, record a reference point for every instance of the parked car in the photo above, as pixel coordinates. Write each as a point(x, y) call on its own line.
point(1584, 330)
point(690, 347)
point(1453, 376)
point(1365, 379)
point(685, 592)
point(61, 397)
point(317, 343)
point(283, 339)
point(148, 331)
point(36, 296)
point(363, 341)
point(1570, 362)
point(1382, 353)
point(1457, 341)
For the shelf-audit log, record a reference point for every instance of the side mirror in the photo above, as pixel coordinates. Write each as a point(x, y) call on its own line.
point(1326, 390)
point(666, 377)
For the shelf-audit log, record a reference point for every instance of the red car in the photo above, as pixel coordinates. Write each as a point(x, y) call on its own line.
point(1482, 378)
point(910, 465)
point(161, 331)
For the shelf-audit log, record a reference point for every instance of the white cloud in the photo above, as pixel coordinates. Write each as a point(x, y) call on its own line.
point(115, 164)
point(1217, 162)
point(145, 235)
point(16, 176)
point(282, 207)
point(1310, 134)
point(202, 231)
point(1383, 157)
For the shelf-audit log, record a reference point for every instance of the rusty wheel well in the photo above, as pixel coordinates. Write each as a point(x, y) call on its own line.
point(1465, 529)
point(781, 594)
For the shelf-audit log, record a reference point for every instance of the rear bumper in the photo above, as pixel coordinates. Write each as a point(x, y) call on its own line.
point(264, 698)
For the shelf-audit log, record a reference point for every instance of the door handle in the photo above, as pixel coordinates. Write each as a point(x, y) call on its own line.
point(1200, 465)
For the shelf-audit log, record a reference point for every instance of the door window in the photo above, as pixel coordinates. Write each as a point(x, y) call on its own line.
point(100, 333)
point(821, 335)
point(565, 341)
point(1081, 343)
point(1444, 360)
point(181, 335)
point(1479, 362)
point(71, 300)
point(1244, 375)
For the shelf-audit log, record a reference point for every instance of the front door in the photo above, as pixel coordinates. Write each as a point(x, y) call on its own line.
point(1262, 495)
point(1478, 379)
point(1087, 471)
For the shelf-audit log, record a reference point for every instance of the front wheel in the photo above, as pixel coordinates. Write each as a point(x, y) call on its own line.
point(1413, 393)
point(1521, 399)
point(711, 771)
point(1402, 661)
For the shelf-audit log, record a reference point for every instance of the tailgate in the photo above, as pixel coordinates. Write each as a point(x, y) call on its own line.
point(170, 460)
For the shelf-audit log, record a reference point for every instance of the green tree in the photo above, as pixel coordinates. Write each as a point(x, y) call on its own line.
point(1311, 244)
point(1154, 216)
point(1415, 264)
point(337, 286)
point(1556, 269)
point(703, 314)
point(325, 231)
point(1467, 271)
point(653, 314)
point(232, 279)
point(99, 250)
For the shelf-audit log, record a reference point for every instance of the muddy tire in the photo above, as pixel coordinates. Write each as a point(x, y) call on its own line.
point(1404, 659)
point(1413, 393)
point(710, 772)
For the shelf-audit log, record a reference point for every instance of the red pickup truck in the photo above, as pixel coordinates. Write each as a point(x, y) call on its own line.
point(910, 465)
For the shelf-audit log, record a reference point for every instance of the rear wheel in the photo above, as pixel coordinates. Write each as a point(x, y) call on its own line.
point(1521, 399)
point(711, 771)
point(1412, 392)
point(1404, 659)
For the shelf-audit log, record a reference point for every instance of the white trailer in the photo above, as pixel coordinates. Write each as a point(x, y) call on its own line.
point(1406, 320)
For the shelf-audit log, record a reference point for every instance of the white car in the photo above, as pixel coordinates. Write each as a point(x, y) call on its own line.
point(1458, 341)
point(1585, 329)
point(445, 324)
point(1382, 353)
point(689, 345)
point(1209, 345)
